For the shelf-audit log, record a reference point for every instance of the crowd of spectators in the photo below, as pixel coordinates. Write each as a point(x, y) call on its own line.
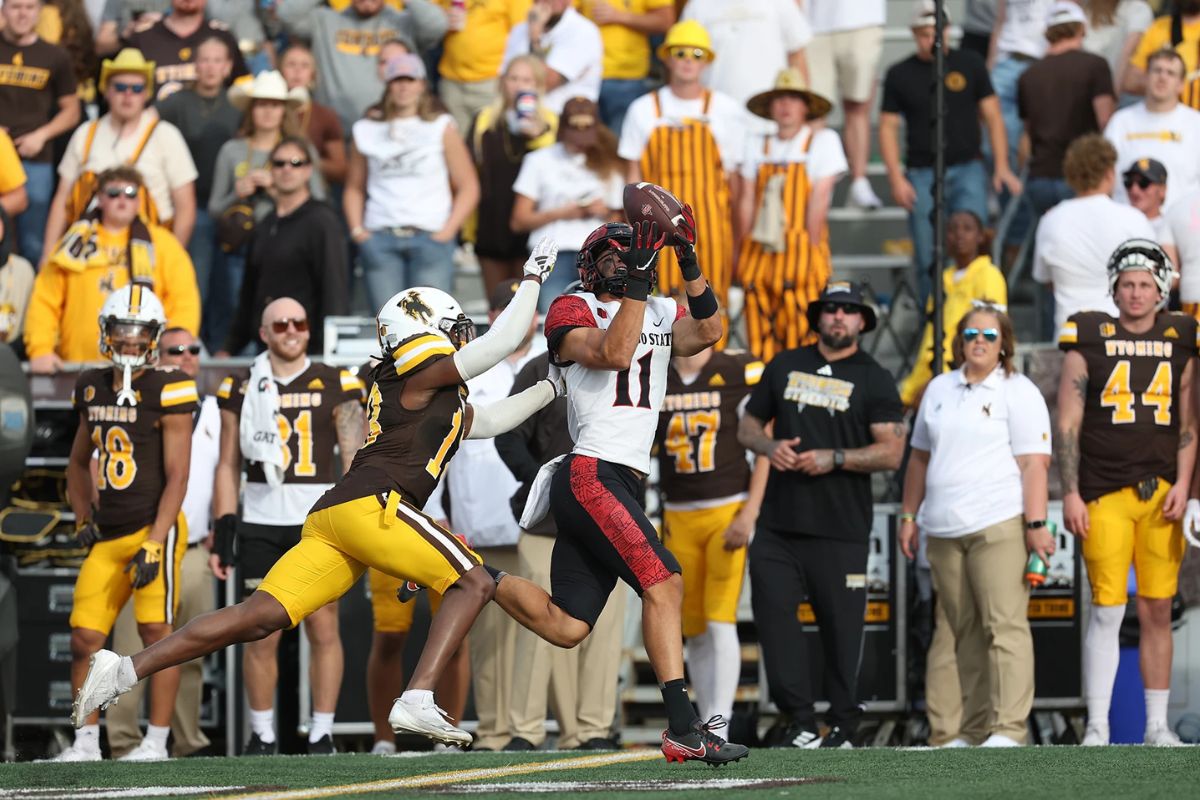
point(229, 152)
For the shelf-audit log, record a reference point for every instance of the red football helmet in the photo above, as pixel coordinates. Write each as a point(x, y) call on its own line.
point(611, 235)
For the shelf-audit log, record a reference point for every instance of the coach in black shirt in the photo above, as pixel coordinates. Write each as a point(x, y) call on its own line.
point(837, 418)
point(298, 251)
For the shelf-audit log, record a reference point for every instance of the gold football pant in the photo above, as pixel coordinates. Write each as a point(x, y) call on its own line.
point(712, 575)
point(1125, 530)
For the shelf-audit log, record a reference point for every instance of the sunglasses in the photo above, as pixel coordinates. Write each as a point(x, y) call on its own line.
point(989, 334)
point(121, 191)
point(281, 325)
point(120, 87)
point(295, 163)
point(845, 308)
point(1141, 183)
point(689, 53)
point(180, 349)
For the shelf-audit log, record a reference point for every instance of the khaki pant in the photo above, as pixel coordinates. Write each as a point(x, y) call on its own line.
point(553, 675)
point(980, 583)
point(943, 696)
point(196, 597)
point(464, 99)
point(493, 638)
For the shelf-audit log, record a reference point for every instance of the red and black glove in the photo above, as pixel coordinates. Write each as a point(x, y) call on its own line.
point(639, 258)
point(684, 241)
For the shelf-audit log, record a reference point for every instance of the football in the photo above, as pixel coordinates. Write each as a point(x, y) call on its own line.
point(648, 201)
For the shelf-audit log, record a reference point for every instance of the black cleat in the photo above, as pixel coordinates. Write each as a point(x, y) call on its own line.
point(518, 744)
point(408, 590)
point(598, 743)
point(701, 744)
point(257, 747)
point(797, 734)
point(838, 738)
point(322, 747)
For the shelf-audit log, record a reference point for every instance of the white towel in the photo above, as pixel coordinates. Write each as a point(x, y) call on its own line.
point(259, 428)
point(538, 501)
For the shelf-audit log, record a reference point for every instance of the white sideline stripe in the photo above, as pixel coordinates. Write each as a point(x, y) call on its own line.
point(442, 778)
point(86, 793)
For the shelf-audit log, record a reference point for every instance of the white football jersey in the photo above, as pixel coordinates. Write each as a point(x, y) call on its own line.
point(613, 415)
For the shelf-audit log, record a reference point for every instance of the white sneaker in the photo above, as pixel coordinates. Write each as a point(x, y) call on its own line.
point(75, 753)
point(100, 688)
point(1159, 735)
point(384, 748)
point(429, 721)
point(147, 751)
point(1096, 735)
point(999, 740)
point(861, 195)
point(955, 743)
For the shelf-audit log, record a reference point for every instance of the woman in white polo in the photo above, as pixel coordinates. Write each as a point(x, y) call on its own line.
point(976, 487)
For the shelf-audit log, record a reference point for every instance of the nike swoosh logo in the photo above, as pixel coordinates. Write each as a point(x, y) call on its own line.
point(659, 321)
point(697, 753)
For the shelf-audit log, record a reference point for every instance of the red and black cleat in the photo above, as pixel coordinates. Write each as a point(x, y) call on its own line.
point(701, 744)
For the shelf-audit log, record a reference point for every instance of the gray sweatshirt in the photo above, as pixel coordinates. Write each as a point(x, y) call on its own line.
point(345, 46)
point(225, 174)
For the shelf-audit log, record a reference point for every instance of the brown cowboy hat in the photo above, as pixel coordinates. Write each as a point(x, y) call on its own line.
point(789, 81)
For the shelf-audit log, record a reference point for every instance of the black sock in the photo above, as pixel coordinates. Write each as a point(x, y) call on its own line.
point(680, 711)
point(496, 574)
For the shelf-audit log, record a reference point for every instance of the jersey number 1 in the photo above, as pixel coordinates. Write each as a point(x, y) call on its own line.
point(623, 398)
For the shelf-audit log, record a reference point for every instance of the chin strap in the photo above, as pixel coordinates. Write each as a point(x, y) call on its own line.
point(126, 393)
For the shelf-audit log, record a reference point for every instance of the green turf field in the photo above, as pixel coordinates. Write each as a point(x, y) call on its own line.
point(1060, 773)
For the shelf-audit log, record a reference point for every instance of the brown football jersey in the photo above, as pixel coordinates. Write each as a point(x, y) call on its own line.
point(128, 439)
point(1132, 409)
point(306, 405)
point(698, 452)
point(405, 451)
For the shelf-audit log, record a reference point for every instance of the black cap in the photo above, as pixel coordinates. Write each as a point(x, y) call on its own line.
point(843, 292)
point(503, 294)
point(1147, 168)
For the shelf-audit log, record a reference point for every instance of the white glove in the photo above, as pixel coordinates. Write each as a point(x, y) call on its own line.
point(541, 261)
point(559, 383)
point(1191, 523)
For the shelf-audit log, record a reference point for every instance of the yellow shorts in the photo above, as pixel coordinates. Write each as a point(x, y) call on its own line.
point(712, 575)
point(1125, 530)
point(341, 541)
point(392, 616)
point(103, 587)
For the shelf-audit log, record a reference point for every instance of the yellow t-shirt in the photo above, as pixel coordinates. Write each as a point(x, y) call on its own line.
point(1158, 36)
point(626, 51)
point(475, 52)
point(342, 5)
point(981, 280)
point(49, 24)
point(12, 174)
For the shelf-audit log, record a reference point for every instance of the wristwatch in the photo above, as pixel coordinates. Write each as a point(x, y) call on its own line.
point(1035, 524)
point(839, 459)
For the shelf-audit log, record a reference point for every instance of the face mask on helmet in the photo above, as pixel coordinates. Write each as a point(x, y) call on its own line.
point(612, 237)
point(1142, 254)
point(127, 343)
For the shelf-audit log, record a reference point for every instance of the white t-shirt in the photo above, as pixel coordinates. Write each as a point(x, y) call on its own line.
point(1024, 28)
point(1074, 242)
point(552, 178)
point(725, 117)
point(751, 40)
point(165, 162)
point(825, 156)
point(1172, 138)
point(973, 435)
point(1106, 41)
point(1184, 219)
point(613, 415)
point(1162, 229)
point(206, 451)
point(408, 182)
point(574, 50)
point(830, 16)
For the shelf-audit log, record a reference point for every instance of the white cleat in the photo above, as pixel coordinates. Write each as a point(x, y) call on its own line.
point(999, 740)
point(147, 751)
point(384, 748)
point(954, 744)
point(1159, 735)
point(100, 688)
point(426, 720)
point(1095, 736)
point(74, 753)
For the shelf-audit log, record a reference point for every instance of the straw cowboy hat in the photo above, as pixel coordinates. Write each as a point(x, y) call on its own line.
point(789, 82)
point(268, 85)
point(129, 61)
point(688, 33)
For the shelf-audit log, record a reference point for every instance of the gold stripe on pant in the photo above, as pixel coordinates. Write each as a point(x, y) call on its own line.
point(196, 597)
point(553, 676)
point(493, 638)
point(980, 584)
